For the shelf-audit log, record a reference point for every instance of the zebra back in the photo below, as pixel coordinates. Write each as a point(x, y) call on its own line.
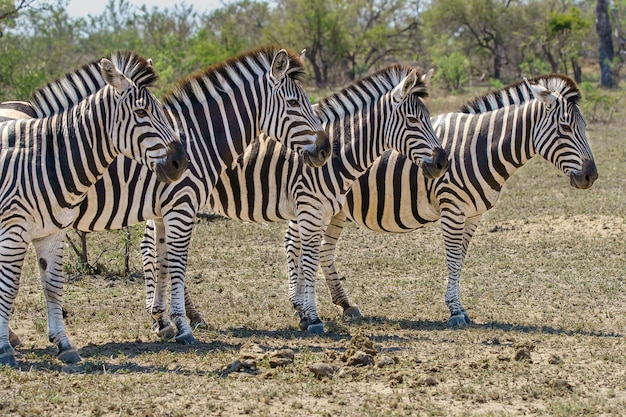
point(67, 91)
point(519, 92)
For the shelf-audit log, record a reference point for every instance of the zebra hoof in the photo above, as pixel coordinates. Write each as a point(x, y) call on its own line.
point(198, 322)
point(166, 333)
point(459, 320)
point(316, 327)
point(186, 339)
point(69, 356)
point(14, 339)
point(7, 356)
point(352, 313)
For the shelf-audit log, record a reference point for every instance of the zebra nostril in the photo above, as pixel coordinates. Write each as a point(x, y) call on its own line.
point(175, 163)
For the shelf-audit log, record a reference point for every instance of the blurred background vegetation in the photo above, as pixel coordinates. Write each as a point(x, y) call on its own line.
point(474, 45)
point(469, 42)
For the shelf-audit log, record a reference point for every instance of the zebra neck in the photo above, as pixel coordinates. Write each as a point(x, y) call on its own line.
point(358, 142)
point(504, 142)
point(78, 148)
point(218, 124)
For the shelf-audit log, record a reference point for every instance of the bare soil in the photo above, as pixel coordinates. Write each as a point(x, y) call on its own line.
point(544, 282)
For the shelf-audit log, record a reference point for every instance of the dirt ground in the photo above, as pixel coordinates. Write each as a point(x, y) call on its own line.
point(544, 282)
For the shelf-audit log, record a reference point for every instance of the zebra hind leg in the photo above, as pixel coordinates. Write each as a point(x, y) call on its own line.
point(196, 319)
point(351, 312)
point(14, 339)
point(457, 240)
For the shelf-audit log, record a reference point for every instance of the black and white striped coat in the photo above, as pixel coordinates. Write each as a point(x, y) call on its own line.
point(488, 141)
point(269, 183)
point(218, 112)
point(47, 166)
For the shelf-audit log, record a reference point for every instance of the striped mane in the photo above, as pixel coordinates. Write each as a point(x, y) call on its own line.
point(518, 93)
point(223, 74)
point(366, 91)
point(67, 91)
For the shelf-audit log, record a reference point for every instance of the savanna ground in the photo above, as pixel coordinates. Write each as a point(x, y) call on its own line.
point(544, 282)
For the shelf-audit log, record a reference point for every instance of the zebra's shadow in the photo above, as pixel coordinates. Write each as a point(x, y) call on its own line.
point(432, 325)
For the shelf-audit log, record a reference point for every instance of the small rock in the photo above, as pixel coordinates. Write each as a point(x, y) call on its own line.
point(281, 358)
point(555, 360)
point(522, 354)
point(322, 370)
point(249, 364)
point(427, 381)
point(384, 360)
point(251, 351)
point(360, 358)
point(284, 353)
point(278, 362)
point(561, 384)
point(236, 366)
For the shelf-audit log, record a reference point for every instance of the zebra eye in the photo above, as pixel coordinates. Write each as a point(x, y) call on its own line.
point(293, 102)
point(566, 128)
point(141, 113)
point(413, 120)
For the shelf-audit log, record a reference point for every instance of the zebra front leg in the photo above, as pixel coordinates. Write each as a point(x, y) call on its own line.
point(293, 248)
point(151, 269)
point(11, 261)
point(311, 229)
point(49, 251)
point(178, 230)
point(457, 233)
point(327, 263)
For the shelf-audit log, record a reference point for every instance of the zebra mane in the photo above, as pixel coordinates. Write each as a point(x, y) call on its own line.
point(518, 93)
point(67, 91)
point(237, 66)
point(367, 90)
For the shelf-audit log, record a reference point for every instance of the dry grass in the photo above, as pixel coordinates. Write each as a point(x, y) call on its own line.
point(544, 281)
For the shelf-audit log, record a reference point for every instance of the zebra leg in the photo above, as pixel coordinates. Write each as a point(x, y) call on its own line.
point(327, 263)
point(196, 319)
point(50, 258)
point(151, 268)
point(311, 229)
point(178, 230)
point(12, 253)
point(293, 248)
point(14, 339)
point(457, 233)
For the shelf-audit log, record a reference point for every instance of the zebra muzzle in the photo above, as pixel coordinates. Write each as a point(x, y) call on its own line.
point(172, 167)
point(323, 150)
point(437, 165)
point(584, 178)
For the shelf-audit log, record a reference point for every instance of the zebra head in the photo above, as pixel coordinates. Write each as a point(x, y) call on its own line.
point(139, 129)
point(560, 132)
point(409, 130)
point(289, 117)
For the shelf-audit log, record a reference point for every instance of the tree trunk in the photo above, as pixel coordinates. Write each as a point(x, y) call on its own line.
point(605, 49)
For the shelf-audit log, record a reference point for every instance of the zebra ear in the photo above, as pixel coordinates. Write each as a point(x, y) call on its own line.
point(112, 76)
point(303, 55)
point(280, 65)
point(410, 84)
point(541, 93)
point(150, 63)
point(426, 77)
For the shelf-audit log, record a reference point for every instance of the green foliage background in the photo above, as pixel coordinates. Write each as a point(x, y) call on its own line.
point(467, 40)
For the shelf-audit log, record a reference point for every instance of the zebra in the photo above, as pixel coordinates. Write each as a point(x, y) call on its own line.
point(492, 137)
point(269, 183)
point(14, 110)
point(218, 112)
point(48, 164)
